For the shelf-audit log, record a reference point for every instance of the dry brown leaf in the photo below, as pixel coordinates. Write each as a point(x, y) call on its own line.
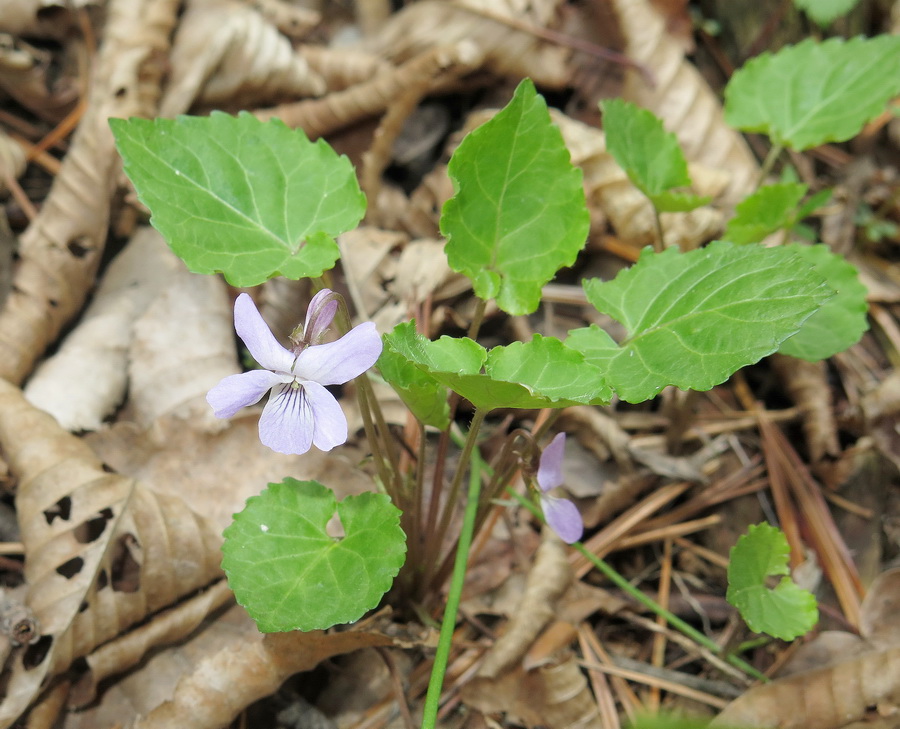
point(28, 75)
point(879, 614)
point(807, 384)
point(682, 98)
point(61, 248)
point(183, 345)
point(342, 67)
point(102, 551)
point(554, 694)
point(139, 691)
point(509, 51)
point(216, 473)
point(95, 353)
point(166, 628)
point(548, 580)
point(365, 254)
point(826, 698)
point(881, 408)
point(372, 97)
point(228, 53)
point(282, 303)
point(12, 159)
point(293, 20)
point(224, 684)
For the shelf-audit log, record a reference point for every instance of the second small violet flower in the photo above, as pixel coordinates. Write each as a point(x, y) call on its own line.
point(562, 515)
point(300, 412)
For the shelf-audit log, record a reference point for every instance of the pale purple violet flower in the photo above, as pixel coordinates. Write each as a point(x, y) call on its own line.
point(300, 412)
point(562, 515)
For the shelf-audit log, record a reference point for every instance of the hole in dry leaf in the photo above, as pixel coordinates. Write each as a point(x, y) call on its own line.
point(84, 606)
point(71, 568)
point(126, 570)
point(106, 467)
point(90, 530)
point(102, 579)
point(61, 509)
point(78, 248)
point(120, 92)
point(53, 303)
point(35, 654)
point(53, 15)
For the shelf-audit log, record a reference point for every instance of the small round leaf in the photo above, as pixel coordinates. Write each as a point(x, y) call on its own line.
point(290, 574)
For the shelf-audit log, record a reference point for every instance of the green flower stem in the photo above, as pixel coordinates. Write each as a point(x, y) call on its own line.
point(648, 603)
point(768, 163)
point(659, 244)
point(442, 656)
point(477, 319)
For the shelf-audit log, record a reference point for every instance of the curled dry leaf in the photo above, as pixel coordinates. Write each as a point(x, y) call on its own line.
point(166, 628)
point(95, 353)
point(343, 67)
point(293, 20)
point(826, 698)
point(27, 74)
point(807, 384)
point(228, 53)
point(12, 159)
point(61, 248)
point(681, 97)
point(146, 686)
point(102, 551)
point(224, 684)
point(548, 580)
point(508, 50)
point(183, 345)
point(370, 98)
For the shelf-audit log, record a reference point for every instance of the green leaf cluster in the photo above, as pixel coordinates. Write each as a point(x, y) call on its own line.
point(785, 612)
point(235, 195)
point(542, 373)
point(290, 574)
point(812, 93)
point(842, 319)
point(650, 156)
point(518, 214)
point(695, 318)
point(770, 209)
point(825, 12)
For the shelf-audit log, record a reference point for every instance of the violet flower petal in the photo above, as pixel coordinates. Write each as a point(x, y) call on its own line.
point(319, 317)
point(255, 333)
point(286, 424)
point(338, 362)
point(330, 423)
point(563, 517)
point(550, 468)
point(239, 391)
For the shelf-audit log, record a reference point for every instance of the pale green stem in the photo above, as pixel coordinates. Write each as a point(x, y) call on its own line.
point(659, 243)
point(442, 655)
point(768, 163)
